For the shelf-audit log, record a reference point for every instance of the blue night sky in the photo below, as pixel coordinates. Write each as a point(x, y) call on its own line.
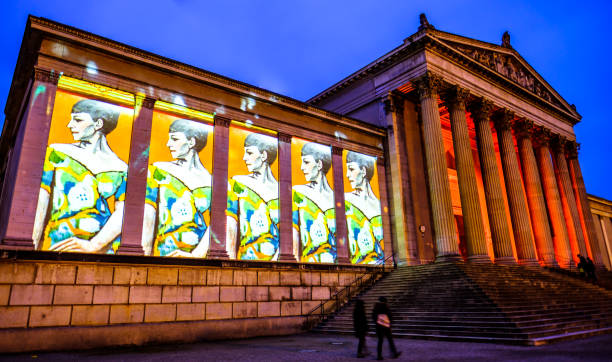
point(299, 48)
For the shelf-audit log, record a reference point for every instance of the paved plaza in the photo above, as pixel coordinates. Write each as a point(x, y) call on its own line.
point(320, 347)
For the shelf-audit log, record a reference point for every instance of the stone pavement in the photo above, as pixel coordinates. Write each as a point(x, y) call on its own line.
point(321, 347)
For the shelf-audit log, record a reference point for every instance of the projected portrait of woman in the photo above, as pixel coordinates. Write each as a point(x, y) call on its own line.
point(178, 196)
point(252, 204)
point(314, 217)
point(73, 212)
point(363, 217)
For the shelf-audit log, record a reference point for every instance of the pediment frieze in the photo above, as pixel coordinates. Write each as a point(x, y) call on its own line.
point(509, 66)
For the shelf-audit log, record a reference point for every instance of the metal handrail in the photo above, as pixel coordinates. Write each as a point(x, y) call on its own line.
point(359, 283)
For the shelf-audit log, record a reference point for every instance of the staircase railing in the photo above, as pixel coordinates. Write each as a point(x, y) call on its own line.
point(341, 297)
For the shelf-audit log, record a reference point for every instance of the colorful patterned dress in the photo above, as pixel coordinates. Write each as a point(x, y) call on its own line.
point(79, 199)
point(314, 218)
point(182, 213)
point(256, 210)
point(365, 232)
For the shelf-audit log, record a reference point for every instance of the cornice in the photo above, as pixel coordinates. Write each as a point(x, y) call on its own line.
point(104, 44)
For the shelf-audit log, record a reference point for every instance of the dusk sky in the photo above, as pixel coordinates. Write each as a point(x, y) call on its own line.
point(299, 48)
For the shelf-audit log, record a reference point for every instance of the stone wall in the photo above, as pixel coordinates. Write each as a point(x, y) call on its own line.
point(48, 305)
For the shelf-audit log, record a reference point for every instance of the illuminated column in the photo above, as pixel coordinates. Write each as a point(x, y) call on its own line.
point(496, 208)
point(135, 193)
point(468, 189)
point(400, 190)
point(384, 209)
point(341, 227)
point(516, 200)
point(563, 251)
point(447, 245)
point(570, 209)
point(535, 196)
point(284, 196)
point(584, 209)
point(27, 163)
point(218, 219)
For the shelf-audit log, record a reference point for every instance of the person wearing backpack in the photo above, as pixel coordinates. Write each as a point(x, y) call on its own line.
point(381, 314)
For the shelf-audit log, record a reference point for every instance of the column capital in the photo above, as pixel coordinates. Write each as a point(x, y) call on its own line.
point(380, 160)
point(571, 149)
point(542, 136)
point(222, 121)
point(428, 85)
point(284, 137)
point(523, 128)
point(558, 143)
point(393, 103)
point(502, 119)
point(455, 96)
point(146, 102)
point(481, 109)
point(47, 76)
point(336, 150)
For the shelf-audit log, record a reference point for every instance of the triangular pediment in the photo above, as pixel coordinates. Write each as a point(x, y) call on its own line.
point(507, 63)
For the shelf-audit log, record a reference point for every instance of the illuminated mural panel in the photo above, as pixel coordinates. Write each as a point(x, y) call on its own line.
point(363, 212)
point(82, 192)
point(179, 183)
point(314, 216)
point(252, 203)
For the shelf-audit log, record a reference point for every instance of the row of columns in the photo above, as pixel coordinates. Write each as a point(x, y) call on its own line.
point(551, 211)
point(30, 157)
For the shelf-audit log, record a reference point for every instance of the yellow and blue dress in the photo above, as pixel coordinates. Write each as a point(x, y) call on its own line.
point(80, 199)
point(365, 232)
point(182, 213)
point(314, 218)
point(256, 210)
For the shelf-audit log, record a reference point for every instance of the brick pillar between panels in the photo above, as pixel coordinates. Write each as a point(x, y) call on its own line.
point(516, 199)
point(341, 227)
point(135, 193)
point(466, 174)
point(496, 208)
point(384, 210)
point(535, 196)
point(563, 252)
point(218, 218)
point(284, 196)
point(583, 204)
point(446, 238)
point(30, 154)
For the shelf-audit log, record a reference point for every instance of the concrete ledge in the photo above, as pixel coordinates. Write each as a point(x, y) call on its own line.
point(74, 338)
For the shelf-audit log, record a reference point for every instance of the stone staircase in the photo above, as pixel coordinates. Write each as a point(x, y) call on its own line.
point(485, 303)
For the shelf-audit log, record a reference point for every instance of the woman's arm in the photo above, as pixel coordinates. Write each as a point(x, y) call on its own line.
point(39, 221)
point(107, 234)
point(148, 228)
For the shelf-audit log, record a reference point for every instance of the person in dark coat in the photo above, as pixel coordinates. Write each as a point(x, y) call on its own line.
point(360, 322)
point(590, 269)
point(582, 265)
point(381, 314)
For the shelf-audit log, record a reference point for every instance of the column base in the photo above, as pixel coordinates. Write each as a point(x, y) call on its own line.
point(341, 260)
point(448, 258)
point(550, 263)
point(17, 244)
point(130, 250)
point(287, 257)
point(528, 262)
point(479, 259)
point(505, 260)
point(217, 254)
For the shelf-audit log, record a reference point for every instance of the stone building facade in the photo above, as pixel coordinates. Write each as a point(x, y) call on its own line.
point(196, 206)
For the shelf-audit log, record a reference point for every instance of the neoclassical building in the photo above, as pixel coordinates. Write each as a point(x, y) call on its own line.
point(492, 143)
point(152, 197)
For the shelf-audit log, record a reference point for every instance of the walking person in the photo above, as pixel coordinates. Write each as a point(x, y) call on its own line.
point(360, 323)
point(381, 314)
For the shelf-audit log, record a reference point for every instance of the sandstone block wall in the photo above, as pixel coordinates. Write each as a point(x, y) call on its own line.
point(69, 295)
